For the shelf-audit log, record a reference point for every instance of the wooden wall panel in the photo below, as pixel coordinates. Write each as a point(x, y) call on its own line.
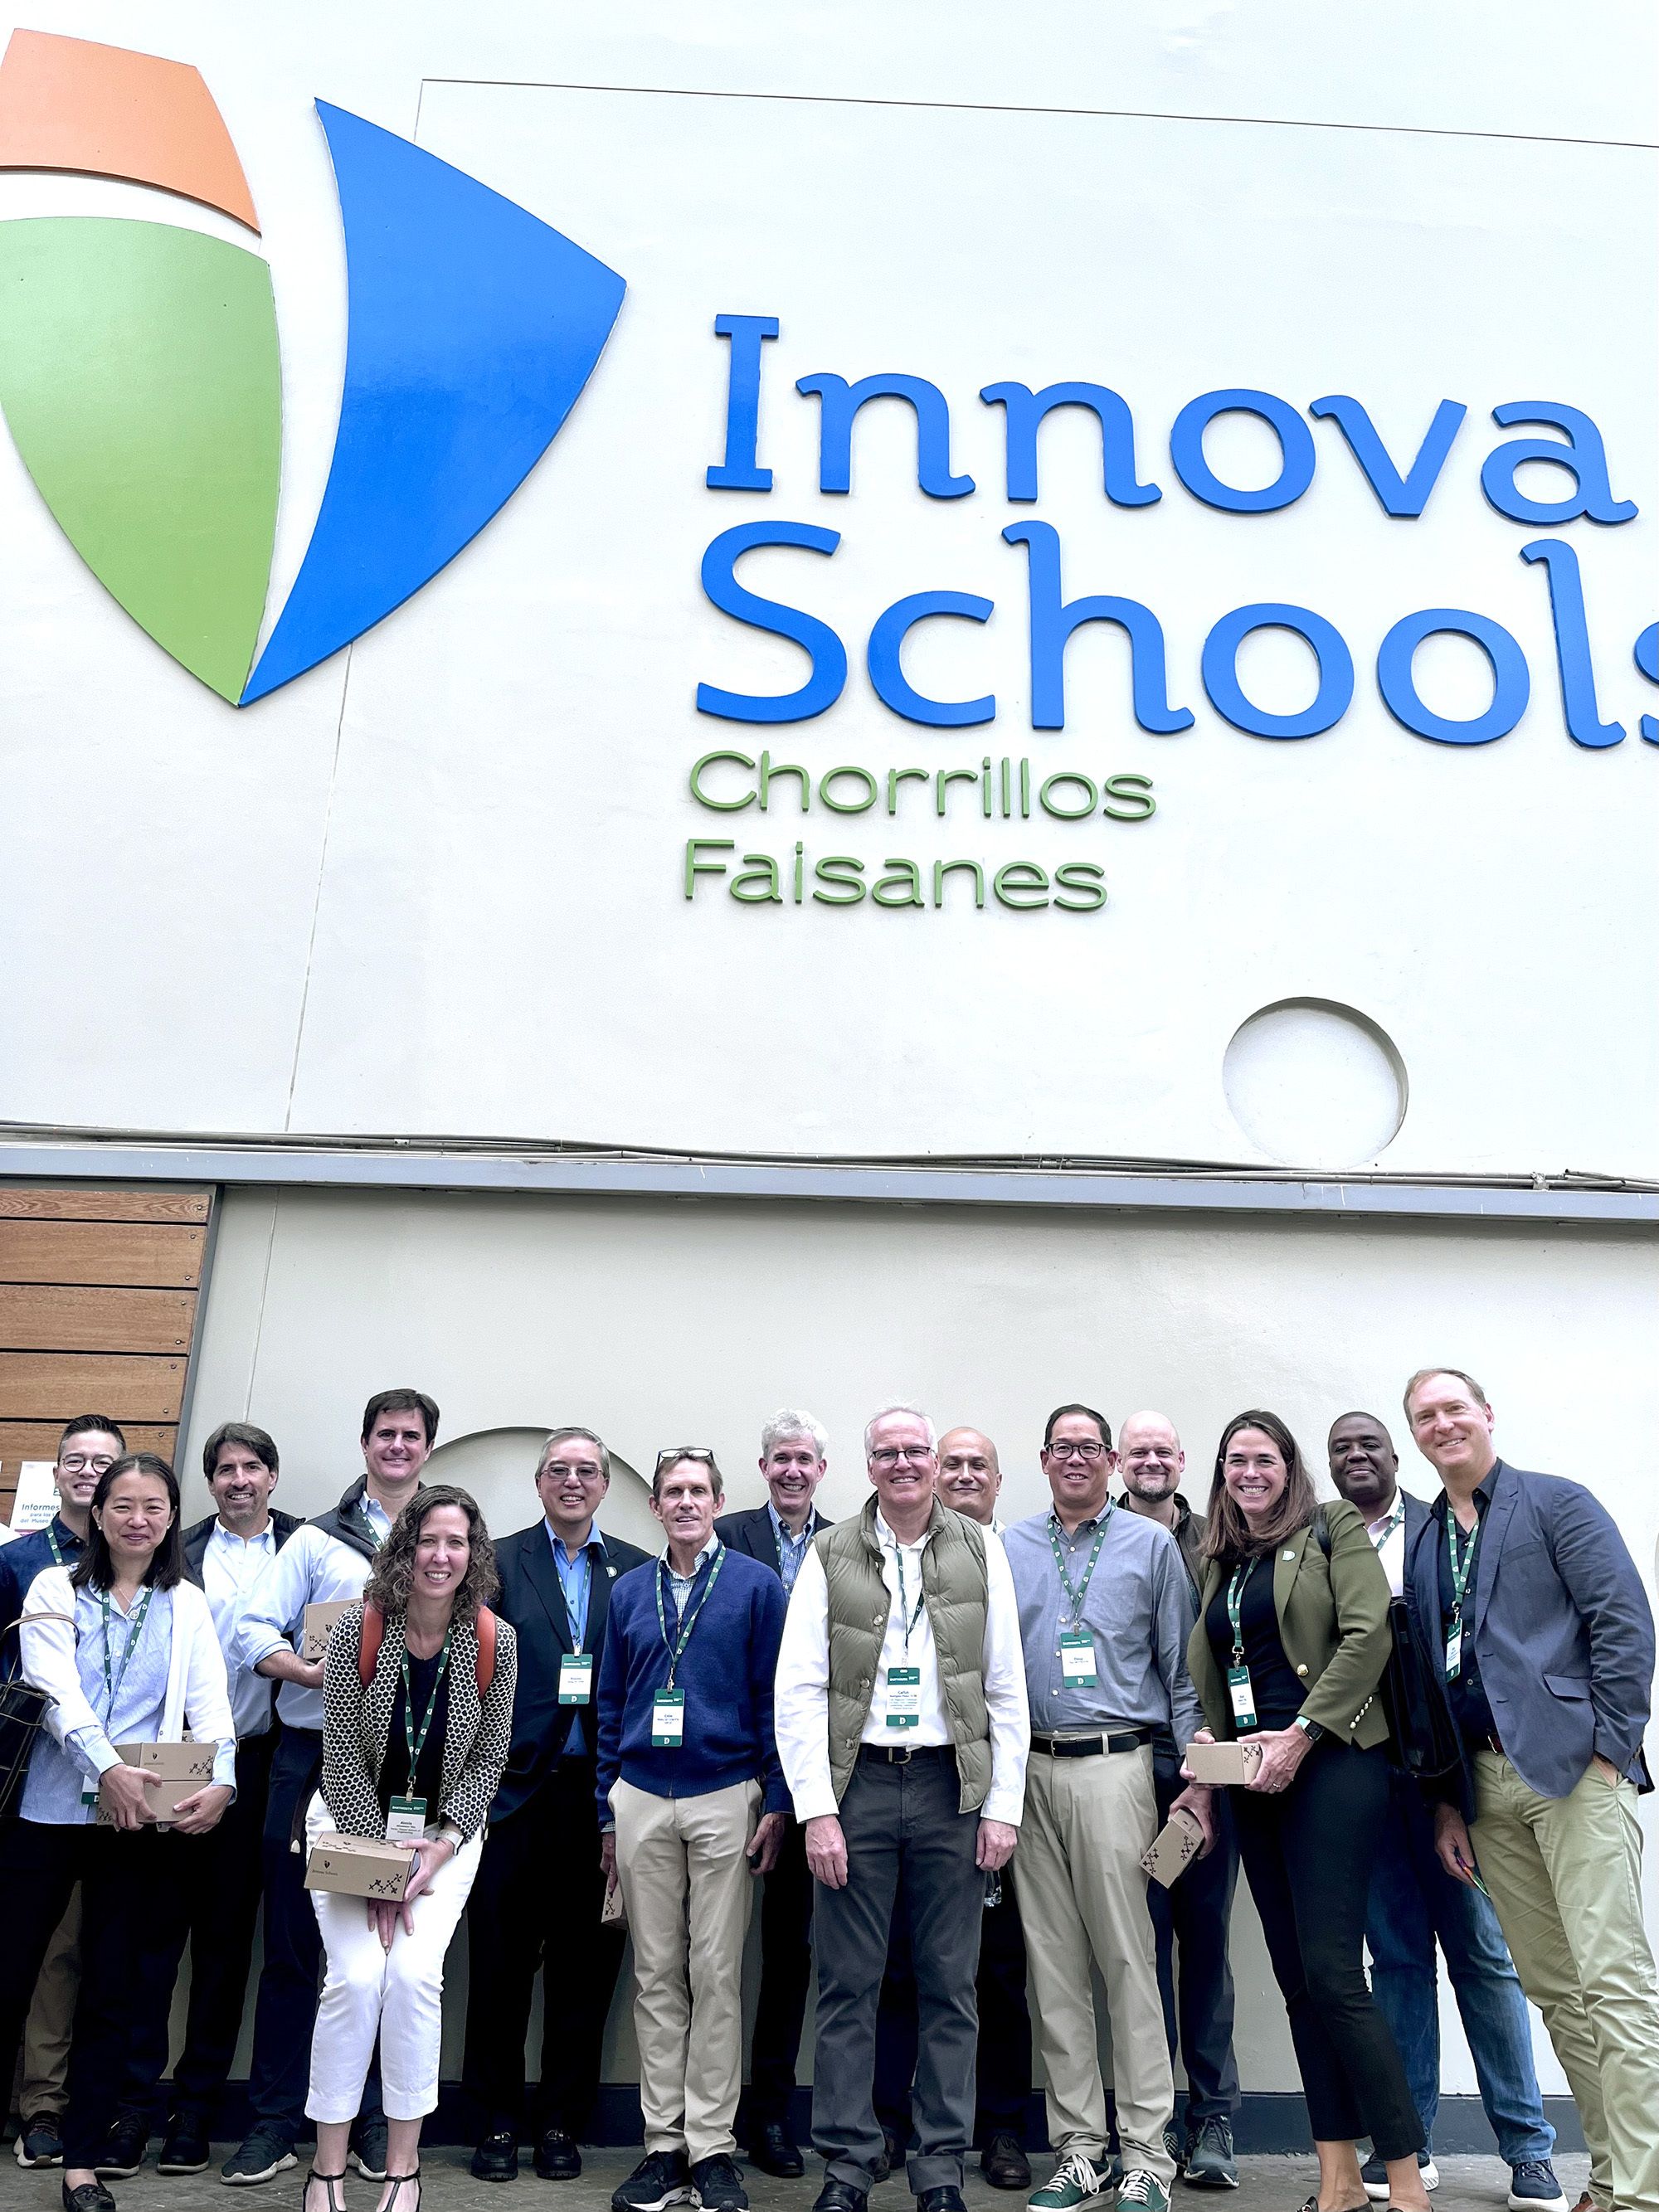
point(61, 1384)
point(25, 1202)
point(140, 1253)
point(60, 1317)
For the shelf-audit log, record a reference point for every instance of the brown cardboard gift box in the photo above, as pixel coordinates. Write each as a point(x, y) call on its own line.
point(1233, 1763)
point(183, 1768)
point(359, 1866)
point(1174, 1848)
point(319, 1627)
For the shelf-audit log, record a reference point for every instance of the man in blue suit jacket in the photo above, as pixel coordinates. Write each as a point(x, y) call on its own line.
point(1523, 1583)
point(540, 1889)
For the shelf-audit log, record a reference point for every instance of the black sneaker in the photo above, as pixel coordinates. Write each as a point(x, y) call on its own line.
point(496, 2157)
point(124, 2149)
point(716, 2184)
point(1209, 2160)
point(662, 2177)
point(40, 2140)
point(557, 2157)
point(368, 2149)
point(1534, 2188)
point(267, 2152)
point(184, 2149)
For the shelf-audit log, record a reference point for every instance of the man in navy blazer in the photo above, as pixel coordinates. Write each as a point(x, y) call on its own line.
point(1523, 1583)
point(793, 1445)
point(539, 1890)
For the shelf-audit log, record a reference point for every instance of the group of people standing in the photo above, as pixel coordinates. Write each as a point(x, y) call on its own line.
point(942, 1744)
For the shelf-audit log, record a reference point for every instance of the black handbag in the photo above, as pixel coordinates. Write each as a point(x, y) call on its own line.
point(1425, 1739)
point(22, 1710)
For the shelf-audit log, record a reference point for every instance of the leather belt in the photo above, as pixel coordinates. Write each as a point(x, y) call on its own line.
point(1489, 1742)
point(1090, 1747)
point(901, 1754)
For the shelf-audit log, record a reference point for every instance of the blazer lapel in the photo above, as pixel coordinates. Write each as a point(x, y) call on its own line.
point(1287, 1564)
point(1500, 1513)
point(543, 1578)
point(598, 1595)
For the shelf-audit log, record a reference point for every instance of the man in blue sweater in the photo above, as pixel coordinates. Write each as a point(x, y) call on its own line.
point(692, 1801)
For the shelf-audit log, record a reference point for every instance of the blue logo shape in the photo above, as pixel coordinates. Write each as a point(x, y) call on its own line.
point(473, 327)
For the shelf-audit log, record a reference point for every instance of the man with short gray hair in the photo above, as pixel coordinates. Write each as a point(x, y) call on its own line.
point(902, 1729)
point(794, 1446)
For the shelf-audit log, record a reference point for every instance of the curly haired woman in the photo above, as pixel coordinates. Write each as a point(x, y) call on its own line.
point(413, 1754)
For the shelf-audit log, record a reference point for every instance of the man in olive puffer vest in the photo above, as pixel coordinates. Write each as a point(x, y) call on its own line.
point(902, 1727)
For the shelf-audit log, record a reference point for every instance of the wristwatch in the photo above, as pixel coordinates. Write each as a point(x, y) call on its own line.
point(1314, 1734)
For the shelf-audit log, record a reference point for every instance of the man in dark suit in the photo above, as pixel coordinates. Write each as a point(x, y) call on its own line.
point(1523, 1583)
point(540, 1889)
point(219, 1894)
point(778, 1534)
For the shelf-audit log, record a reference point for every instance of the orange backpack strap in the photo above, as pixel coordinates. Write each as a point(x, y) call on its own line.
point(368, 1650)
point(486, 1668)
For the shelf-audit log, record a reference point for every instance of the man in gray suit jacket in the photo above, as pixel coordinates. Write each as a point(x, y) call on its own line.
point(1523, 1583)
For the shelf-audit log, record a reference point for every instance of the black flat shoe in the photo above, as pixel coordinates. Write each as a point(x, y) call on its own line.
point(496, 2157)
point(775, 2150)
point(557, 2157)
point(89, 2196)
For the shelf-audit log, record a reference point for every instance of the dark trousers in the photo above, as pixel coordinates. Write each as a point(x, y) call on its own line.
point(287, 2009)
point(900, 1823)
point(1002, 2067)
point(1198, 1994)
point(220, 1878)
point(1307, 1857)
point(535, 1904)
point(129, 1885)
point(786, 1977)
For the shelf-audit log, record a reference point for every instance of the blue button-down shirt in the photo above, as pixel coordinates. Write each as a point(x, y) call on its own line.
point(791, 1550)
point(57, 1776)
point(576, 1585)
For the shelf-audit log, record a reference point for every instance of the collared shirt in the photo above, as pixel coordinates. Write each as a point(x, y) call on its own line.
point(679, 1586)
point(576, 1587)
point(802, 1679)
point(230, 1567)
point(1465, 1689)
point(313, 1568)
point(1139, 1609)
point(377, 1517)
point(56, 1776)
point(791, 1550)
point(1390, 1542)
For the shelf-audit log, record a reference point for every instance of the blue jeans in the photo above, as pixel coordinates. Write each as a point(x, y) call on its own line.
point(1413, 1900)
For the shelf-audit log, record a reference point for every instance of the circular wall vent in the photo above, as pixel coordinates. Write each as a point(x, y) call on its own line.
point(1316, 1084)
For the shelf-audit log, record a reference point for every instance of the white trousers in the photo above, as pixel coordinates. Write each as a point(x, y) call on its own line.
point(396, 1995)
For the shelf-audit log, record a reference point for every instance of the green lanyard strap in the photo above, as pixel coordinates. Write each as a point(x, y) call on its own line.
point(907, 1619)
point(113, 1677)
point(1075, 1597)
point(418, 1743)
point(51, 1538)
point(692, 1614)
point(1460, 1570)
point(1234, 1602)
point(1391, 1524)
point(584, 1571)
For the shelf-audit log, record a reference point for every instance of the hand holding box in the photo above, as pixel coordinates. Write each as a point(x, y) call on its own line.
point(1234, 1764)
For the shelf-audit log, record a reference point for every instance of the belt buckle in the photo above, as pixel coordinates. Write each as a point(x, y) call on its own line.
point(898, 1754)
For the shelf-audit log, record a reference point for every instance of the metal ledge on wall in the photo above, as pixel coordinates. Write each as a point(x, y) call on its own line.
point(597, 1171)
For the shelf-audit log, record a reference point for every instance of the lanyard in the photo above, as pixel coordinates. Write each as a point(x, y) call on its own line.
point(907, 1619)
point(676, 1652)
point(1234, 1600)
point(578, 1612)
point(417, 1744)
point(1077, 1596)
point(1462, 1570)
point(1391, 1524)
point(51, 1538)
point(113, 1679)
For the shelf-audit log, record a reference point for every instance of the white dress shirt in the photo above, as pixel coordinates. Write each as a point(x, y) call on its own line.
point(1390, 1543)
point(313, 1568)
point(230, 1566)
point(801, 1709)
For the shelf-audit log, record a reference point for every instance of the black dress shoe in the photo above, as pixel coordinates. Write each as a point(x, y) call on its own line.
point(891, 2156)
point(496, 2157)
point(841, 2197)
point(940, 2200)
point(775, 2150)
point(557, 2157)
point(1004, 2164)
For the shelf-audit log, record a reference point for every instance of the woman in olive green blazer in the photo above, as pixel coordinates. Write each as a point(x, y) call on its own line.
point(1291, 1639)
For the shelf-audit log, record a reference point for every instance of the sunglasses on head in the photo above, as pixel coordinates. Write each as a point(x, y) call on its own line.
point(686, 1451)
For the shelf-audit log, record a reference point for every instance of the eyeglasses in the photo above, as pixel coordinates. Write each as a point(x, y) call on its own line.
point(587, 1470)
point(1063, 1448)
point(78, 1462)
point(891, 1454)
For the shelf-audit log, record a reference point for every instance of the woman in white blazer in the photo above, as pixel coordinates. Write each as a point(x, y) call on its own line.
point(126, 1648)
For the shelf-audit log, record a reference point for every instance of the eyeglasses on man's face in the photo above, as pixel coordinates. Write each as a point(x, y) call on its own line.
point(1071, 1447)
point(891, 1454)
point(79, 1462)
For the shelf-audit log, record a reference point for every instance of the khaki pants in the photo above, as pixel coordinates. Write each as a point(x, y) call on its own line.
point(1565, 1874)
point(688, 1887)
point(43, 2059)
point(1083, 1891)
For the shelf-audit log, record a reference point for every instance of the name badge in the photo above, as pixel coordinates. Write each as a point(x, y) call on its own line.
point(90, 1797)
point(668, 1720)
point(1244, 1697)
point(1454, 1651)
point(576, 1678)
point(1076, 1661)
point(903, 1697)
point(406, 1821)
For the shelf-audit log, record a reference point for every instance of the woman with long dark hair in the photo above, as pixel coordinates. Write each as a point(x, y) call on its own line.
point(127, 1650)
point(1291, 1640)
point(418, 1722)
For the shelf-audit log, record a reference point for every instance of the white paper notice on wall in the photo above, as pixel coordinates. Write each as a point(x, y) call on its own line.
point(37, 1496)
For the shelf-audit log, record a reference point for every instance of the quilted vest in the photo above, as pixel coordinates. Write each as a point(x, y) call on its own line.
point(955, 1591)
